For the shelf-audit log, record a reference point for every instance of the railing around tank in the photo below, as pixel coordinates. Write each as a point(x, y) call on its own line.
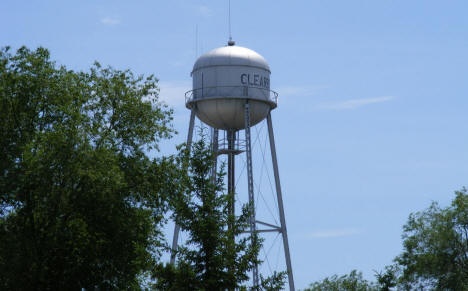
point(231, 92)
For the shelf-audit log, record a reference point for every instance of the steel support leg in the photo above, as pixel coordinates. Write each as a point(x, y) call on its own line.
point(280, 203)
point(250, 184)
point(231, 137)
point(214, 148)
point(175, 239)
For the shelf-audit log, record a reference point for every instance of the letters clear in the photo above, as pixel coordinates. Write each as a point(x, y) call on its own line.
point(255, 80)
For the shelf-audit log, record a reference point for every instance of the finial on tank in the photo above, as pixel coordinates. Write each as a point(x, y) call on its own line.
point(231, 42)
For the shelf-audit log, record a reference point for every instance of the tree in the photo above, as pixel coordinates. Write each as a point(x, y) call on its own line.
point(350, 282)
point(435, 241)
point(215, 256)
point(81, 203)
point(388, 278)
point(435, 255)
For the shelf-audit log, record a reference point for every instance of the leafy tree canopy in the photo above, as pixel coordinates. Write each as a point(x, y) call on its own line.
point(350, 282)
point(80, 201)
point(435, 255)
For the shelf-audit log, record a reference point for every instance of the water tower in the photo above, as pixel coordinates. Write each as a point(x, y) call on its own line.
point(231, 93)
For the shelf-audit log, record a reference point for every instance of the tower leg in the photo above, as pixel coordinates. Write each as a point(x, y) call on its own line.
point(231, 137)
point(280, 203)
point(214, 148)
point(175, 239)
point(250, 184)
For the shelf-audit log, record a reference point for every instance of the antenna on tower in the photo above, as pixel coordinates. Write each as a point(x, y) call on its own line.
point(196, 41)
point(230, 42)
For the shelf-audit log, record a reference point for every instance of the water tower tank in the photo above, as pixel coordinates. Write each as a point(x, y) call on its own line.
point(224, 79)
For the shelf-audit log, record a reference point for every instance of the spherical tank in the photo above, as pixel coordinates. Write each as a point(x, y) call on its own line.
point(224, 79)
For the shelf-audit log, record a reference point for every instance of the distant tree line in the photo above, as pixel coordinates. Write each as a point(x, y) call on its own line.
point(83, 203)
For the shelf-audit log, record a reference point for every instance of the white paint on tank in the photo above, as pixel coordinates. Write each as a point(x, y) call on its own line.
point(224, 79)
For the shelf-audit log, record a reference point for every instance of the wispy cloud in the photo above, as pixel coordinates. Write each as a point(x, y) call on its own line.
point(334, 233)
point(205, 11)
point(354, 103)
point(299, 91)
point(110, 21)
point(173, 92)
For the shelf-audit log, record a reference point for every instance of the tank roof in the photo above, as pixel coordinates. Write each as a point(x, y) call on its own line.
point(231, 55)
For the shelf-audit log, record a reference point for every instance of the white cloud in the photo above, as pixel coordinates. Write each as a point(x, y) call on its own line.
point(173, 92)
point(110, 21)
point(334, 233)
point(205, 11)
point(354, 103)
point(300, 91)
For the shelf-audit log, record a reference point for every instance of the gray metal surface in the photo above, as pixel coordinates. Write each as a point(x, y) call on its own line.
point(248, 150)
point(231, 171)
point(214, 148)
point(175, 238)
point(228, 113)
point(223, 79)
point(279, 196)
point(231, 137)
point(231, 55)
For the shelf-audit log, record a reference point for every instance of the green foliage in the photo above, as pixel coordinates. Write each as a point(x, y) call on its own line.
point(388, 279)
point(352, 282)
point(275, 282)
point(80, 202)
point(211, 258)
point(435, 241)
point(435, 255)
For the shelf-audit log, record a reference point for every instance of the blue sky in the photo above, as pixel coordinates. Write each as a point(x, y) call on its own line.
point(372, 116)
